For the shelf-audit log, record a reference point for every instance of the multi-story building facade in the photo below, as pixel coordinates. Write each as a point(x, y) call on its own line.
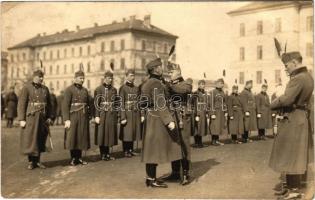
point(4, 70)
point(254, 28)
point(127, 44)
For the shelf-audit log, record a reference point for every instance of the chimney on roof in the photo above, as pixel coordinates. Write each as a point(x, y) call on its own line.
point(78, 27)
point(124, 19)
point(147, 20)
point(38, 35)
point(95, 25)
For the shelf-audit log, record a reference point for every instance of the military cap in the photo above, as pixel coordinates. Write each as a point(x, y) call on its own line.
point(189, 81)
point(79, 73)
point(130, 71)
point(38, 72)
point(108, 73)
point(220, 80)
point(264, 86)
point(234, 87)
point(249, 81)
point(154, 63)
point(201, 81)
point(286, 57)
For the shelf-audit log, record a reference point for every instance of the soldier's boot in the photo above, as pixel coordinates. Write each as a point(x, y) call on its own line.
point(186, 178)
point(172, 177)
point(73, 162)
point(40, 165)
point(128, 154)
point(30, 165)
point(82, 162)
point(108, 157)
point(133, 153)
point(152, 182)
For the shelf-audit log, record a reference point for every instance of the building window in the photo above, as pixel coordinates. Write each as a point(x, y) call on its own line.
point(12, 72)
point(24, 56)
point(50, 69)
point(17, 57)
point(143, 45)
point(57, 85)
point(258, 77)
point(278, 25)
point(65, 53)
point(88, 50)
point(72, 52)
point(72, 68)
point(88, 83)
point(242, 30)
point(51, 55)
point(80, 51)
point(122, 44)
point(103, 47)
point(18, 72)
point(37, 56)
point(242, 77)
point(112, 46)
point(309, 23)
point(51, 85)
point(309, 50)
point(154, 46)
point(65, 69)
point(58, 54)
point(259, 28)
point(113, 62)
point(88, 67)
point(143, 63)
point(64, 84)
point(57, 69)
point(102, 65)
point(278, 76)
point(242, 53)
point(122, 63)
point(165, 48)
point(259, 52)
point(44, 55)
point(12, 58)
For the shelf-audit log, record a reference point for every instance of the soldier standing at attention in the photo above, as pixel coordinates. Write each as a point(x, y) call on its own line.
point(291, 148)
point(76, 114)
point(11, 101)
point(249, 108)
point(236, 116)
point(160, 138)
point(59, 108)
point(106, 116)
point(130, 115)
point(201, 114)
point(264, 118)
point(34, 114)
point(218, 111)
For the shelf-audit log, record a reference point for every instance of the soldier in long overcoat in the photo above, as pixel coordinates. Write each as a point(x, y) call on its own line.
point(235, 116)
point(34, 114)
point(59, 107)
point(11, 101)
point(249, 108)
point(201, 114)
point(159, 143)
point(76, 114)
point(180, 91)
point(130, 115)
point(106, 116)
point(54, 104)
point(290, 153)
point(264, 118)
point(218, 112)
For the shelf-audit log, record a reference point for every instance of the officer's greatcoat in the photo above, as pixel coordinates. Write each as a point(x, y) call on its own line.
point(201, 109)
point(263, 108)
point(249, 105)
point(218, 108)
point(235, 110)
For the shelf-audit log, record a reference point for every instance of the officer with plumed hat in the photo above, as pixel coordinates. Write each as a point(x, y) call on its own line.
point(160, 143)
point(106, 115)
point(76, 116)
point(34, 114)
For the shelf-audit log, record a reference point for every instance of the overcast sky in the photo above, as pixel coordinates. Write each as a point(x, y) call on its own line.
point(203, 27)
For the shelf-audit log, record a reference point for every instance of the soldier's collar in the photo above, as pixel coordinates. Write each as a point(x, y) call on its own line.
point(264, 93)
point(107, 85)
point(299, 70)
point(201, 90)
point(234, 93)
point(37, 85)
point(159, 77)
point(220, 89)
point(77, 85)
point(248, 89)
point(130, 84)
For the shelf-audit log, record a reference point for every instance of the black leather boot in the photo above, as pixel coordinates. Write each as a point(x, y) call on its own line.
point(186, 178)
point(172, 177)
point(152, 182)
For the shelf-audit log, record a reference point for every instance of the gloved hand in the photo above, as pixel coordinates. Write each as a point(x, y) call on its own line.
point(97, 120)
point(197, 118)
point(171, 125)
point(258, 115)
point(213, 117)
point(22, 124)
point(67, 124)
point(49, 121)
point(225, 114)
point(247, 114)
point(231, 117)
point(142, 119)
point(123, 122)
point(273, 115)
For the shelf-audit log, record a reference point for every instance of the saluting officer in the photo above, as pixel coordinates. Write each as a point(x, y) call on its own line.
point(76, 114)
point(160, 138)
point(130, 116)
point(264, 118)
point(236, 116)
point(218, 112)
point(179, 91)
point(200, 100)
point(249, 108)
point(106, 116)
point(290, 152)
point(34, 114)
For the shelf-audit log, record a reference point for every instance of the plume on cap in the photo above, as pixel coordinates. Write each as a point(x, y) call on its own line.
point(204, 75)
point(235, 81)
point(80, 72)
point(223, 73)
point(278, 47)
point(265, 81)
point(172, 50)
point(112, 66)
